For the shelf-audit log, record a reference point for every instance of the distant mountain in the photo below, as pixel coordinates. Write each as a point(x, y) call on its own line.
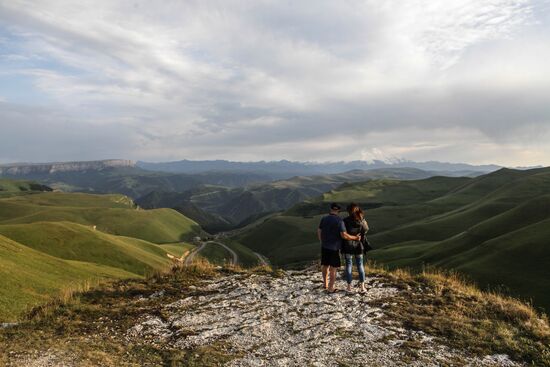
point(138, 179)
point(494, 228)
point(287, 169)
point(221, 208)
point(124, 177)
point(30, 169)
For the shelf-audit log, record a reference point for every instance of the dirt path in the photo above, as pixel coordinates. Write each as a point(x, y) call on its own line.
point(263, 260)
point(233, 253)
point(191, 256)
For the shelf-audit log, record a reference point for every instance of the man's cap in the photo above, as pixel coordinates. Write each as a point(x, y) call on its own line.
point(335, 206)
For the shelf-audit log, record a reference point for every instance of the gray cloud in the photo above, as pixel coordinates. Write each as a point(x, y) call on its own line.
point(462, 80)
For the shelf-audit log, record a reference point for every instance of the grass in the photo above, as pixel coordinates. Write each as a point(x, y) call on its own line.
point(71, 241)
point(77, 200)
point(9, 188)
point(112, 214)
point(90, 327)
point(247, 258)
point(49, 242)
point(442, 303)
point(31, 277)
point(493, 228)
point(216, 254)
point(177, 249)
point(280, 233)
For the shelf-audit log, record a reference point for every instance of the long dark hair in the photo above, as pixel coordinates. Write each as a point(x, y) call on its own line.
point(355, 211)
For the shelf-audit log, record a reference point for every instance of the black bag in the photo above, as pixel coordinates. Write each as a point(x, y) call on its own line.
point(365, 242)
point(366, 245)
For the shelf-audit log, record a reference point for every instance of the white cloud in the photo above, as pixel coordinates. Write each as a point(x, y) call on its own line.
point(300, 80)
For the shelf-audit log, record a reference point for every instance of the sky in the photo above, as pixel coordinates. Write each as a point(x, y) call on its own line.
point(311, 80)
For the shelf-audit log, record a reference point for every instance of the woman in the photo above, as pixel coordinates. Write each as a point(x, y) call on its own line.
point(356, 225)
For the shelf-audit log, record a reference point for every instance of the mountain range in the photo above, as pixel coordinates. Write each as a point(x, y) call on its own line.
point(221, 208)
point(219, 195)
point(492, 227)
point(285, 169)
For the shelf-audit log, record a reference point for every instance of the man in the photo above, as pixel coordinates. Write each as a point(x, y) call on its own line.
point(331, 231)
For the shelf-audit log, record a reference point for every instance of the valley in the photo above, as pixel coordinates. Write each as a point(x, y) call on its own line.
point(488, 227)
point(493, 228)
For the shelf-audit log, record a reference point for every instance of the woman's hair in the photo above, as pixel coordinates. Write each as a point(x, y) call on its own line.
point(355, 211)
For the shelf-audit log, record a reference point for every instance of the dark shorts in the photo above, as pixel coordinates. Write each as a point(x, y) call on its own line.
point(330, 257)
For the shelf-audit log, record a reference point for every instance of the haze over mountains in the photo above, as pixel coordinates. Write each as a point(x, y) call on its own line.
point(283, 168)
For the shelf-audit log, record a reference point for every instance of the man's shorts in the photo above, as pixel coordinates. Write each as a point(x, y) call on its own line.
point(330, 257)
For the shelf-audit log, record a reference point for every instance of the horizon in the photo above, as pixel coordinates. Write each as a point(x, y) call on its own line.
point(368, 162)
point(462, 81)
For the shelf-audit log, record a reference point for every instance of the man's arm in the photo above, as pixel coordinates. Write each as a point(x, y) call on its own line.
point(347, 236)
point(319, 234)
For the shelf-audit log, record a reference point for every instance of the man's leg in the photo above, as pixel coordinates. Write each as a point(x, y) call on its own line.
point(324, 271)
point(332, 278)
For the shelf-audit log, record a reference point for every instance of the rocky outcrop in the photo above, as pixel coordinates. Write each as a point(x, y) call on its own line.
point(291, 321)
point(22, 169)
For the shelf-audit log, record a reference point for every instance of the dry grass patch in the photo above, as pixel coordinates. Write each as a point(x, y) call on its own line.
point(442, 303)
point(89, 324)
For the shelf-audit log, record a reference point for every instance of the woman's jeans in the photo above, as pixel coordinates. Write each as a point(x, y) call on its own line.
point(349, 266)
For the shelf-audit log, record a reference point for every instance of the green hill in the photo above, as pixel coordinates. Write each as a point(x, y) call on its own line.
point(30, 277)
point(219, 208)
point(103, 177)
point(71, 241)
point(114, 214)
point(19, 187)
point(51, 241)
point(494, 228)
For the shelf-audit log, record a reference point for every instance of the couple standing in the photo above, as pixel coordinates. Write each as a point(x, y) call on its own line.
point(342, 235)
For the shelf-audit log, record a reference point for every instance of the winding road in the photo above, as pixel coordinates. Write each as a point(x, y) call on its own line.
point(263, 260)
point(191, 256)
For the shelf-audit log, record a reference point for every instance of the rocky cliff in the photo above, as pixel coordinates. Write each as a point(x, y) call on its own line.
point(23, 169)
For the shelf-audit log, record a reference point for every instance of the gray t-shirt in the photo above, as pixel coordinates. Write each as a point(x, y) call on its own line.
point(331, 226)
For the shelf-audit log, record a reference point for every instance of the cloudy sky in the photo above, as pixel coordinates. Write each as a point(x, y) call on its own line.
point(458, 81)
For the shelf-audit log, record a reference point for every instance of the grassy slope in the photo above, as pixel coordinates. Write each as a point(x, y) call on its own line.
point(291, 238)
point(246, 257)
point(112, 214)
point(221, 208)
point(216, 254)
point(283, 239)
point(71, 241)
point(56, 229)
point(9, 188)
point(177, 249)
point(493, 228)
point(30, 277)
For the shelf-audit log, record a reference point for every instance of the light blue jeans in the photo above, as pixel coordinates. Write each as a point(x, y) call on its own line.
point(349, 267)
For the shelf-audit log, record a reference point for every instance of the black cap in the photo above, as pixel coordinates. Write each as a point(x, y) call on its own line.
point(335, 206)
